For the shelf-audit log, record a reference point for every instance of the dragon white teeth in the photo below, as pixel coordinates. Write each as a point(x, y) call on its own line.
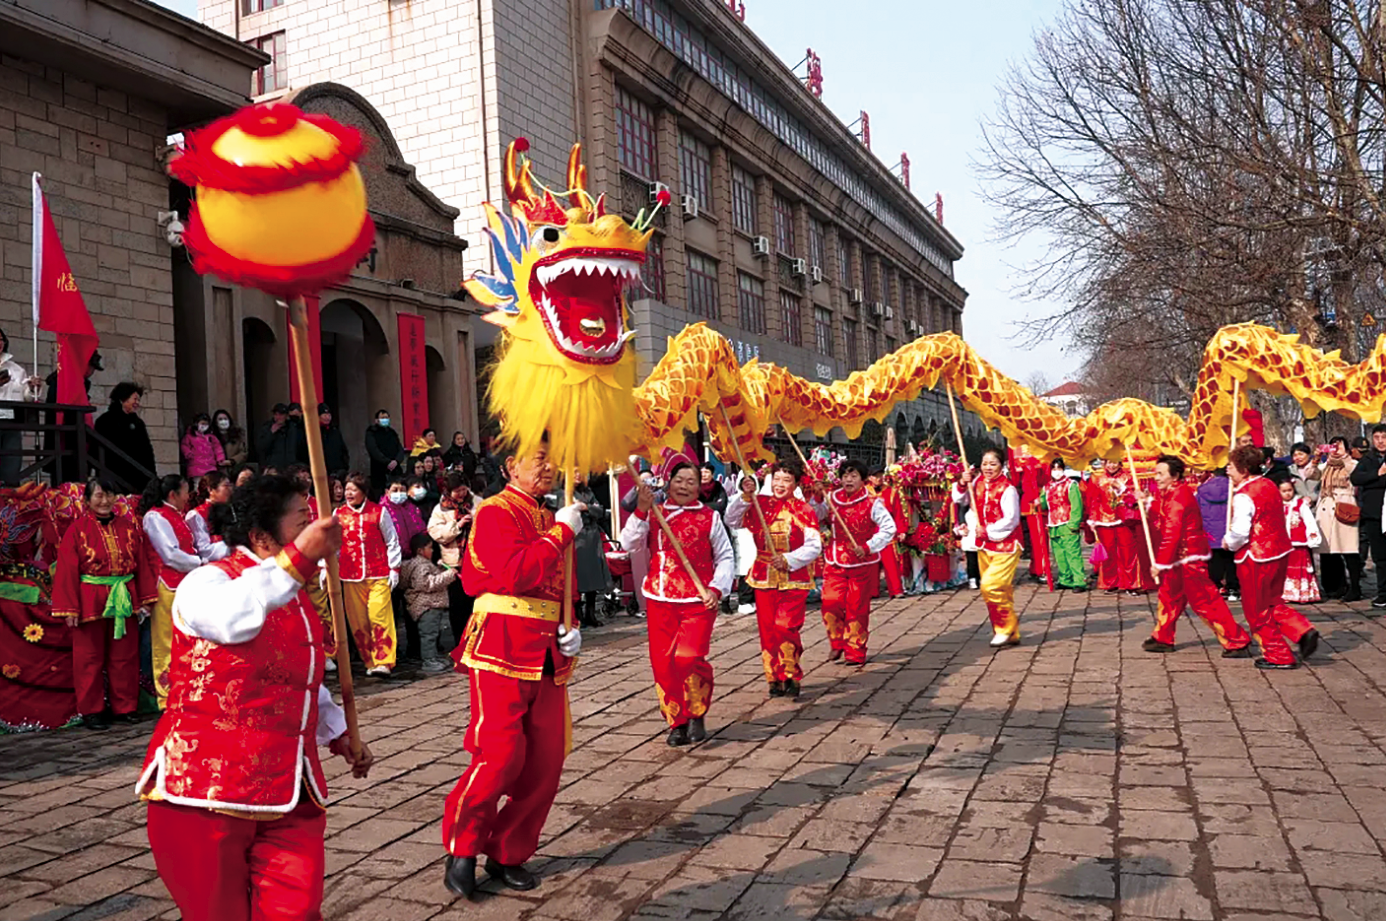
point(624, 269)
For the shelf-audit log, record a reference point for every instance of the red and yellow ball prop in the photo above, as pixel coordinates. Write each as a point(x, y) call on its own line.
point(280, 205)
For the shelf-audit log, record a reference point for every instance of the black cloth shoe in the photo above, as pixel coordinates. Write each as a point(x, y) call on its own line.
point(96, 721)
point(1379, 601)
point(1153, 645)
point(459, 875)
point(777, 689)
point(1273, 666)
point(677, 736)
point(1113, 591)
point(516, 877)
point(834, 655)
point(129, 719)
point(1354, 593)
point(697, 732)
point(1308, 643)
point(1242, 652)
point(791, 688)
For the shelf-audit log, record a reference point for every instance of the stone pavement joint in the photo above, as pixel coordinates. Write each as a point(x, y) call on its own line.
point(1072, 778)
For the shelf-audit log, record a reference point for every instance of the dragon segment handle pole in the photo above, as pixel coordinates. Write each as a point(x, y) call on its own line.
point(837, 516)
point(1232, 440)
point(741, 462)
point(1140, 506)
point(957, 427)
point(317, 464)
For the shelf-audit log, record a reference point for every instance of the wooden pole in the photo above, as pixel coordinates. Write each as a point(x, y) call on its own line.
point(569, 483)
point(745, 471)
point(837, 516)
point(1140, 506)
point(308, 393)
point(957, 427)
point(890, 445)
point(1232, 440)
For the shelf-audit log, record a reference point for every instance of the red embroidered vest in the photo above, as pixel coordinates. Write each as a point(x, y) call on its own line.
point(1097, 502)
point(363, 547)
point(787, 519)
point(240, 731)
point(1270, 538)
point(855, 513)
point(167, 575)
point(986, 499)
point(667, 579)
point(1294, 521)
point(1056, 495)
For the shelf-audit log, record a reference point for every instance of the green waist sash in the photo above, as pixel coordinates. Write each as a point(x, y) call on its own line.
point(118, 604)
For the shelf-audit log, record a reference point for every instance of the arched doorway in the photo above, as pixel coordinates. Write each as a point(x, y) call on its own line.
point(356, 370)
point(436, 378)
point(257, 352)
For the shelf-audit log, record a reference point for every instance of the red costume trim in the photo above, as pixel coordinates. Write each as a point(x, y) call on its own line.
point(281, 281)
point(199, 166)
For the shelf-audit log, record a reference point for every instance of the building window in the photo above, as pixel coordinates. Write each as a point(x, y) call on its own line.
point(695, 167)
point(872, 286)
point(258, 6)
point(651, 284)
point(791, 319)
point(784, 225)
point(873, 344)
point(850, 336)
point(743, 201)
point(702, 285)
point(823, 331)
point(635, 136)
point(750, 295)
point(844, 261)
point(891, 345)
point(816, 233)
point(273, 76)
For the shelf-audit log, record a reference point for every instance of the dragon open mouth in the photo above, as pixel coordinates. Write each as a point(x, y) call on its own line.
point(578, 292)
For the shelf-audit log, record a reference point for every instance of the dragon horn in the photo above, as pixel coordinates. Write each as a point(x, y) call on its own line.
point(577, 177)
point(519, 188)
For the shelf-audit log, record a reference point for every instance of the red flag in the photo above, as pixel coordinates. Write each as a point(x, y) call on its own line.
point(58, 305)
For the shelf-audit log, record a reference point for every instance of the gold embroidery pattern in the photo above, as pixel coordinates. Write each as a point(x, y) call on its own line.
point(667, 705)
point(767, 660)
point(698, 693)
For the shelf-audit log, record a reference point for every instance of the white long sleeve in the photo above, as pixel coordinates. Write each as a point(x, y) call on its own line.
point(1010, 516)
point(165, 543)
point(723, 558)
point(1313, 536)
point(209, 550)
point(810, 551)
point(1239, 531)
point(961, 496)
point(885, 528)
point(635, 535)
point(394, 555)
point(737, 510)
point(331, 718)
point(211, 605)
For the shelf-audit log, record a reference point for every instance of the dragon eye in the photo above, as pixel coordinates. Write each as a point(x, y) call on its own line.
point(548, 234)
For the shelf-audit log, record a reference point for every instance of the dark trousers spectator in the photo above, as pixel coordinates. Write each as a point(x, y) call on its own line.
point(1340, 573)
point(459, 610)
point(1371, 540)
point(1222, 569)
point(974, 568)
point(411, 648)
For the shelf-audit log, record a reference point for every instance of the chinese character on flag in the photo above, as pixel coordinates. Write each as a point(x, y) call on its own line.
point(58, 305)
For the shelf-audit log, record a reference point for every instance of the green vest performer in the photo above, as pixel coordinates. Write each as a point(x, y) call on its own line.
point(1063, 504)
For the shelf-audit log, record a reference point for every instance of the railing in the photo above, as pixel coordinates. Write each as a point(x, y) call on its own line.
point(76, 452)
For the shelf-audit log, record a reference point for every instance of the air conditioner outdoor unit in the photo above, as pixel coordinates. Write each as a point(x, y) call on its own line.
point(914, 327)
point(855, 296)
point(690, 206)
point(656, 189)
point(816, 273)
point(889, 312)
point(877, 309)
point(761, 246)
point(799, 266)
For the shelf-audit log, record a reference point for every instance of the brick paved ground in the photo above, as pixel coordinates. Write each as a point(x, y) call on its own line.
point(1074, 778)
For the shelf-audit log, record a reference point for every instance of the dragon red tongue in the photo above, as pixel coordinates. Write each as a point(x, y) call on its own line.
point(587, 308)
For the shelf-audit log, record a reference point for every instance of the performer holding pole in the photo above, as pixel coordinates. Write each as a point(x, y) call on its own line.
point(235, 790)
point(1181, 567)
point(997, 505)
point(519, 658)
point(1144, 572)
point(691, 570)
point(864, 527)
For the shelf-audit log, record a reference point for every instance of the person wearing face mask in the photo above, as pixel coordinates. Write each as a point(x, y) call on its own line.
point(201, 449)
point(385, 450)
point(418, 496)
point(450, 524)
point(403, 513)
point(234, 450)
point(334, 449)
point(104, 574)
point(1062, 503)
point(370, 561)
point(997, 504)
point(781, 574)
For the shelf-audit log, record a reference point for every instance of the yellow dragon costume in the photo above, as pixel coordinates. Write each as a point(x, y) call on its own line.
point(565, 368)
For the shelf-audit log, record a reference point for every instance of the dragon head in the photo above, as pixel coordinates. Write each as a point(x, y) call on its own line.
point(561, 271)
point(558, 292)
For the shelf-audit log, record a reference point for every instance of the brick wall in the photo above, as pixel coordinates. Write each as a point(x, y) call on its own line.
point(96, 151)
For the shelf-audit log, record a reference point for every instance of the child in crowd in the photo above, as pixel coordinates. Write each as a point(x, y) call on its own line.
point(425, 585)
point(1301, 585)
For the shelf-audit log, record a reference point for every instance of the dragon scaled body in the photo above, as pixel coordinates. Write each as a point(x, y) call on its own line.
point(566, 371)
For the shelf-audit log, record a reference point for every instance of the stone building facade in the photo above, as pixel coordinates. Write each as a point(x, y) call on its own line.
point(805, 250)
point(89, 92)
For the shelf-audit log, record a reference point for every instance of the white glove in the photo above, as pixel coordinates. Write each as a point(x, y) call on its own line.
point(569, 641)
point(571, 515)
point(394, 580)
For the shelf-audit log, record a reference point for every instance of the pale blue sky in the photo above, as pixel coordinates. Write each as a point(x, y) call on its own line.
point(926, 71)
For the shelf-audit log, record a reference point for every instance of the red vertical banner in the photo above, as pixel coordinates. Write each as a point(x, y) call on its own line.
point(413, 378)
point(315, 346)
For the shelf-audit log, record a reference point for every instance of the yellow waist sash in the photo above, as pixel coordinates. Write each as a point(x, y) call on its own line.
point(515, 606)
